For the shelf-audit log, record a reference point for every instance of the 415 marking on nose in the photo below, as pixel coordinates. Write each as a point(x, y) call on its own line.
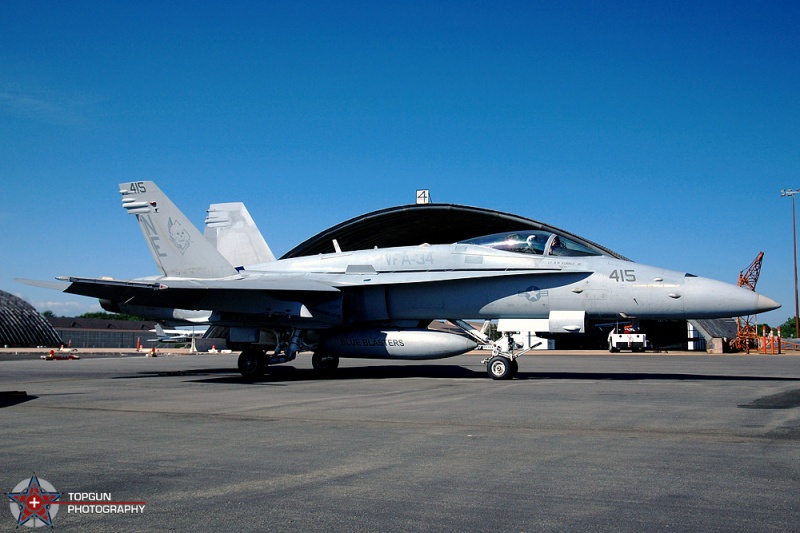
point(621, 276)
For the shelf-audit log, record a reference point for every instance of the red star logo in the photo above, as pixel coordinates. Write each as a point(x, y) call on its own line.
point(34, 503)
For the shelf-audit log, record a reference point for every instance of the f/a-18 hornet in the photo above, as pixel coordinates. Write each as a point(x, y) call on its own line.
point(378, 303)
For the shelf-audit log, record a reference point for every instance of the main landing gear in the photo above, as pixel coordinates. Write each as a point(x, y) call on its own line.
point(253, 363)
point(323, 362)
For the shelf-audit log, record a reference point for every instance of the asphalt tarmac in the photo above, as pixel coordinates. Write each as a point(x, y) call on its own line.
point(589, 443)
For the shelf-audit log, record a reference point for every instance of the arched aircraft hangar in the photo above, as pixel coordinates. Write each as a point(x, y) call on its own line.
point(22, 326)
point(410, 225)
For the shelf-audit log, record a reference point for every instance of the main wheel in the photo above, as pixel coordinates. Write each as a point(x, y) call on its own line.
point(324, 362)
point(252, 363)
point(499, 367)
point(514, 368)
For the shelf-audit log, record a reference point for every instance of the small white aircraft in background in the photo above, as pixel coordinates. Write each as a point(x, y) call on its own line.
point(175, 336)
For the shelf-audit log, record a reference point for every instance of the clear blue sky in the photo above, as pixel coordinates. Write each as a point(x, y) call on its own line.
point(663, 132)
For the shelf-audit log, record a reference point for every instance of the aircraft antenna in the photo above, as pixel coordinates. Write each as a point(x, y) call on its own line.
point(747, 326)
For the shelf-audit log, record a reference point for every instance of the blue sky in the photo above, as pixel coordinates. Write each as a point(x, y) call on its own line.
point(662, 132)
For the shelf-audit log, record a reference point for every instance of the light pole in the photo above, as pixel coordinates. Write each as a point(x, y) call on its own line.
point(791, 193)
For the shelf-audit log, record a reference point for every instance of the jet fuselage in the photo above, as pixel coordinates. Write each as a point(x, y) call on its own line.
point(471, 281)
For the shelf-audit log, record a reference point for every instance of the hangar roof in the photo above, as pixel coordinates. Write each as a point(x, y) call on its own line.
point(21, 325)
point(410, 225)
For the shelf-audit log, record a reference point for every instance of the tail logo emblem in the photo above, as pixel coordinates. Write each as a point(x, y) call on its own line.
point(178, 235)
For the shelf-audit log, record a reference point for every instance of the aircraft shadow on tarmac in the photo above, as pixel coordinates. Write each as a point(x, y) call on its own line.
point(11, 398)
point(783, 400)
point(287, 374)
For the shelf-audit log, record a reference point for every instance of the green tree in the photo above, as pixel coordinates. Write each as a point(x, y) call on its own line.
point(48, 314)
point(788, 329)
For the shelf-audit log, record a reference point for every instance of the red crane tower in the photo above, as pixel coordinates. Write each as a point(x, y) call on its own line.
point(747, 326)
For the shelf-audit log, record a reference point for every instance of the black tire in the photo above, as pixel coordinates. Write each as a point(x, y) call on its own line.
point(499, 367)
point(611, 348)
point(514, 368)
point(324, 362)
point(252, 363)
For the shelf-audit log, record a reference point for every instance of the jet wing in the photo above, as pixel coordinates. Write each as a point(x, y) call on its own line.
point(235, 295)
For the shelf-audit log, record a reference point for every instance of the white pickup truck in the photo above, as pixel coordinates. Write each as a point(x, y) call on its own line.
point(636, 342)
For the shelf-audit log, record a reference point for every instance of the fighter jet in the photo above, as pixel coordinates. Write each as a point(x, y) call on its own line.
point(378, 303)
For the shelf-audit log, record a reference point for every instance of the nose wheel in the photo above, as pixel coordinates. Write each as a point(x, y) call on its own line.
point(500, 367)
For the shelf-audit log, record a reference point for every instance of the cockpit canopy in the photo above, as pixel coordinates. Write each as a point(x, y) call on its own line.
point(533, 242)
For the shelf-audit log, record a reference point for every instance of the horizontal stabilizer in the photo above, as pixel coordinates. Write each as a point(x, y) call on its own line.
point(53, 285)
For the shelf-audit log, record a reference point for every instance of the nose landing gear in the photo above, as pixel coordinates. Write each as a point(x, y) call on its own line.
point(502, 367)
point(503, 363)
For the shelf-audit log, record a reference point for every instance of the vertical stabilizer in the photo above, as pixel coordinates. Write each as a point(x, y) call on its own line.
point(178, 248)
point(231, 229)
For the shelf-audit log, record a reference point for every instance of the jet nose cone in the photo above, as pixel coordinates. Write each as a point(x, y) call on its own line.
point(707, 298)
point(766, 304)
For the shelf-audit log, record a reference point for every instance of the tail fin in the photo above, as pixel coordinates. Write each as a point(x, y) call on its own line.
point(231, 229)
point(178, 248)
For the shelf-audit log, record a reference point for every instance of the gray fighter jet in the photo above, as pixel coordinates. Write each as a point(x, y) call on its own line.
point(378, 303)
